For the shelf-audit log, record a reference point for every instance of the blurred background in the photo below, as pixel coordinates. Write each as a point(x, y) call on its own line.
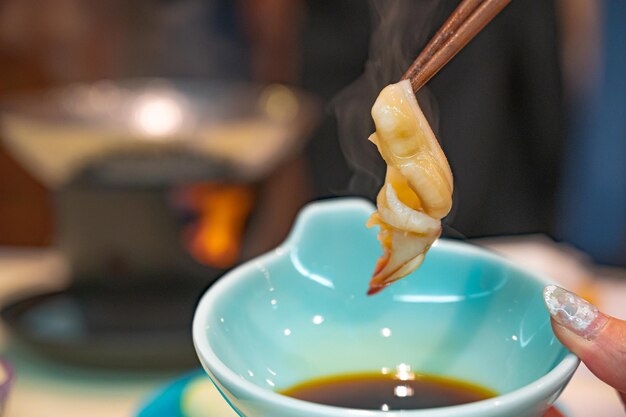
point(148, 146)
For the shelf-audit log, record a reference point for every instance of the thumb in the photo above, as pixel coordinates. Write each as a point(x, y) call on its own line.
point(597, 339)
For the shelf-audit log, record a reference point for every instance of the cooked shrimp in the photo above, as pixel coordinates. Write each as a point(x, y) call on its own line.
point(417, 192)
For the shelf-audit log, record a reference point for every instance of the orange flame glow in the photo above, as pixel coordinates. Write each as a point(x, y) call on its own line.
point(216, 238)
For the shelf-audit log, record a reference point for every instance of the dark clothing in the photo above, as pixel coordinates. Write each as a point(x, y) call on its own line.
point(502, 123)
point(498, 102)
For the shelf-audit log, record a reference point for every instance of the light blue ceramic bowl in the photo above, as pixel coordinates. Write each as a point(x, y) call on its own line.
point(301, 312)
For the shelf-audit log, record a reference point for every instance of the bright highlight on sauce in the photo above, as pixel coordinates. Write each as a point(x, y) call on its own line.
point(388, 392)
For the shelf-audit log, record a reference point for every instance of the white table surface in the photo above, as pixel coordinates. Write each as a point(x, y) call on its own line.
point(47, 389)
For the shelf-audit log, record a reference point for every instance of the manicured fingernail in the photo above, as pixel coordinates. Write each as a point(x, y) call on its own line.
point(572, 312)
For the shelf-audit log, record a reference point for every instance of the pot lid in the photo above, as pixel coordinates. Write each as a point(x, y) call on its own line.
point(156, 131)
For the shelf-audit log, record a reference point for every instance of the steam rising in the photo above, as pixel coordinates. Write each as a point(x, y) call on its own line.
point(401, 29)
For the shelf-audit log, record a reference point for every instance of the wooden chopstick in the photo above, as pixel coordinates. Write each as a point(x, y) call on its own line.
point(469, 18)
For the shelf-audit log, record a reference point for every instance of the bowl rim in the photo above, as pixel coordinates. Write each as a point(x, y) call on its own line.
point(226, 377)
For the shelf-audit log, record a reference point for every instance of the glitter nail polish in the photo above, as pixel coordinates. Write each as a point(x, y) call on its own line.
point(571, 311)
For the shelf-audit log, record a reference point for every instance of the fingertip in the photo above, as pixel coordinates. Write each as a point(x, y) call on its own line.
point(573, 342)
point(604, 354)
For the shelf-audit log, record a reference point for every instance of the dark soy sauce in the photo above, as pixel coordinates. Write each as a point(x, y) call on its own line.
point(377, 391)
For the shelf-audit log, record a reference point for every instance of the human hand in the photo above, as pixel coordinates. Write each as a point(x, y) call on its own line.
point(597, 339)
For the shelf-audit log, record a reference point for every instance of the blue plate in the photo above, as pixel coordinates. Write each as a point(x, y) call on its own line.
point(167, 402)
point(191, 395)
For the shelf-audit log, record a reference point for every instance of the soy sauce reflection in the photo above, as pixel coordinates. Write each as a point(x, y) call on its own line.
point(386, 391)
